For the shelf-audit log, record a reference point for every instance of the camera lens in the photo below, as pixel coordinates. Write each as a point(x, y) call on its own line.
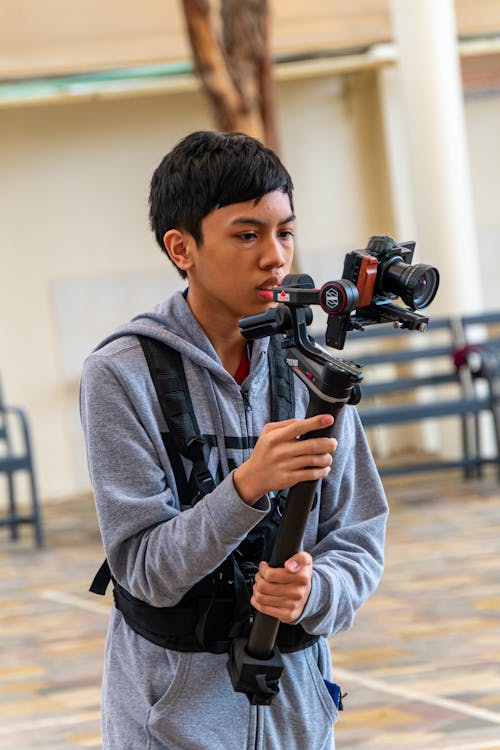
point(416, 285)
point(425, 287)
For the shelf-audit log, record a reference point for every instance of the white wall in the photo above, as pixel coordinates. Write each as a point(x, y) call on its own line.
point(73, 192)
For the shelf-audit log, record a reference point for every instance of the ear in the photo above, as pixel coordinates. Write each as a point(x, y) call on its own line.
point(178, 245)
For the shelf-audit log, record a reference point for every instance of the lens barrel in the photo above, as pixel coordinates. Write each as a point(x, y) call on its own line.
point(416, 285)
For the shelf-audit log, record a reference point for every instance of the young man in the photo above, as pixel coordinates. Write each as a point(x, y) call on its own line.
point(222, 211)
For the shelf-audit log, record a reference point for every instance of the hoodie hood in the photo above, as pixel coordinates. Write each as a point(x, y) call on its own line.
point(173, 323)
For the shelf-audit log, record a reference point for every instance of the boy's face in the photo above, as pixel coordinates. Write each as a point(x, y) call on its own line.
point(246, 249)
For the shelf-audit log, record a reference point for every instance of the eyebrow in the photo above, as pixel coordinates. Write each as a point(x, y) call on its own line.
point(259, 222)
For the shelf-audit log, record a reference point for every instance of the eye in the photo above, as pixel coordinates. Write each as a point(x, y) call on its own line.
point(286, 234)
point(247, 236)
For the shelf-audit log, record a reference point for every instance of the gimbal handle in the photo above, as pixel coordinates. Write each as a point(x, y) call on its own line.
point(290, 533)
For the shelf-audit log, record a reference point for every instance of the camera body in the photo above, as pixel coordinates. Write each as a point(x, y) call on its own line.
point(383, 271)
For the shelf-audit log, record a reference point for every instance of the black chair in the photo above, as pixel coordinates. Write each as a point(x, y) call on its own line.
point(13, 460)
point(481, 356)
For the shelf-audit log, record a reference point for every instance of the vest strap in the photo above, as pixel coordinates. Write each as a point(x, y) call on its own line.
point(175, 627)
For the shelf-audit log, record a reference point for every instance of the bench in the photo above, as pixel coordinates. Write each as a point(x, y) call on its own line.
point(16, 456)
point(410, 377)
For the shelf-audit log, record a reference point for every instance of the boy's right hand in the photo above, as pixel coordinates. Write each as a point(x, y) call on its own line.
point(279, 460)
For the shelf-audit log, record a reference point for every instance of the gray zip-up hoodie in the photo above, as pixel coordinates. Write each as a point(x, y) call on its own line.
point(158, 699)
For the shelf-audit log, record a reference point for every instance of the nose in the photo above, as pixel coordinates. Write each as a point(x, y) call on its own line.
point(274, 254)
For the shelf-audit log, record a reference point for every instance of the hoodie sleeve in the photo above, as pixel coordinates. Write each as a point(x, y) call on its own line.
point(348, 555)
point(155, 551)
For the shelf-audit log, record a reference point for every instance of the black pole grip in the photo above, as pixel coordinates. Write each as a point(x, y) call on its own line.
point(291, 530)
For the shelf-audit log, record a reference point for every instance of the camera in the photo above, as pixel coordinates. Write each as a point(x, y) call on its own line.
point(384, 272)
point(371, 280)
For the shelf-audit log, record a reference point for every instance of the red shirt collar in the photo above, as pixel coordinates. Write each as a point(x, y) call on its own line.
point(243, 368)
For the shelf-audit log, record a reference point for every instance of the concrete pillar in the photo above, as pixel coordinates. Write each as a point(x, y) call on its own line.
point(397, 153)
point(434, 119)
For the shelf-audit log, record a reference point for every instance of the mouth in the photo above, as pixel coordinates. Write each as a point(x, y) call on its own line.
point(266, 290)
point(265, 293)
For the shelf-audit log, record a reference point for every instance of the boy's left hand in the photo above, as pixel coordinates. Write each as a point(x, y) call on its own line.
point(283, 592)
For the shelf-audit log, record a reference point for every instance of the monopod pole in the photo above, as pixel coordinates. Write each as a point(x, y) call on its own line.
point(255, 664)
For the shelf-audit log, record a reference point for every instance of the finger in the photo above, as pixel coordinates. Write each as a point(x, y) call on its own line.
point(285, 612)
point(291, 581)
point(305, 474)
point(271, 426)
point(274, 593)
point(267, 578)
point(306, 453)
point(279, 602)
point(309, 460)
point(303, 426)
point(313, 445)
point(280, 614)
point(271, 575)
point(300, 561)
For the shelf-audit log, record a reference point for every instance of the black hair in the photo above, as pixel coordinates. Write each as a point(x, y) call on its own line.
point(208, 170)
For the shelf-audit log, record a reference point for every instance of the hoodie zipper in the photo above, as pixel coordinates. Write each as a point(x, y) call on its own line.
point(246, 401)
point(247, 407)
point(257, 726)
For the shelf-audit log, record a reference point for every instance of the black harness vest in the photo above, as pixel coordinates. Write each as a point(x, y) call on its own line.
point(217, 609)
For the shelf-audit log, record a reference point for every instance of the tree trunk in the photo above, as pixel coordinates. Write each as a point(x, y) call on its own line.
point(236, 67)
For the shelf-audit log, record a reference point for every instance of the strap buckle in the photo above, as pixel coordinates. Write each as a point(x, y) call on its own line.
point(202, 478)
point(204, 481)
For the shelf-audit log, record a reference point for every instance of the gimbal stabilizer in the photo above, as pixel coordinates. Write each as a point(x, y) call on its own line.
point(255, 666)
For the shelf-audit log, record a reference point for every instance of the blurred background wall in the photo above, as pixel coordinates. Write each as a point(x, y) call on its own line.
point(94, 94)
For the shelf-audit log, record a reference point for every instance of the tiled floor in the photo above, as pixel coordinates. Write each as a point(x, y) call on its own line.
point(422, 662)
point(421, 665)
